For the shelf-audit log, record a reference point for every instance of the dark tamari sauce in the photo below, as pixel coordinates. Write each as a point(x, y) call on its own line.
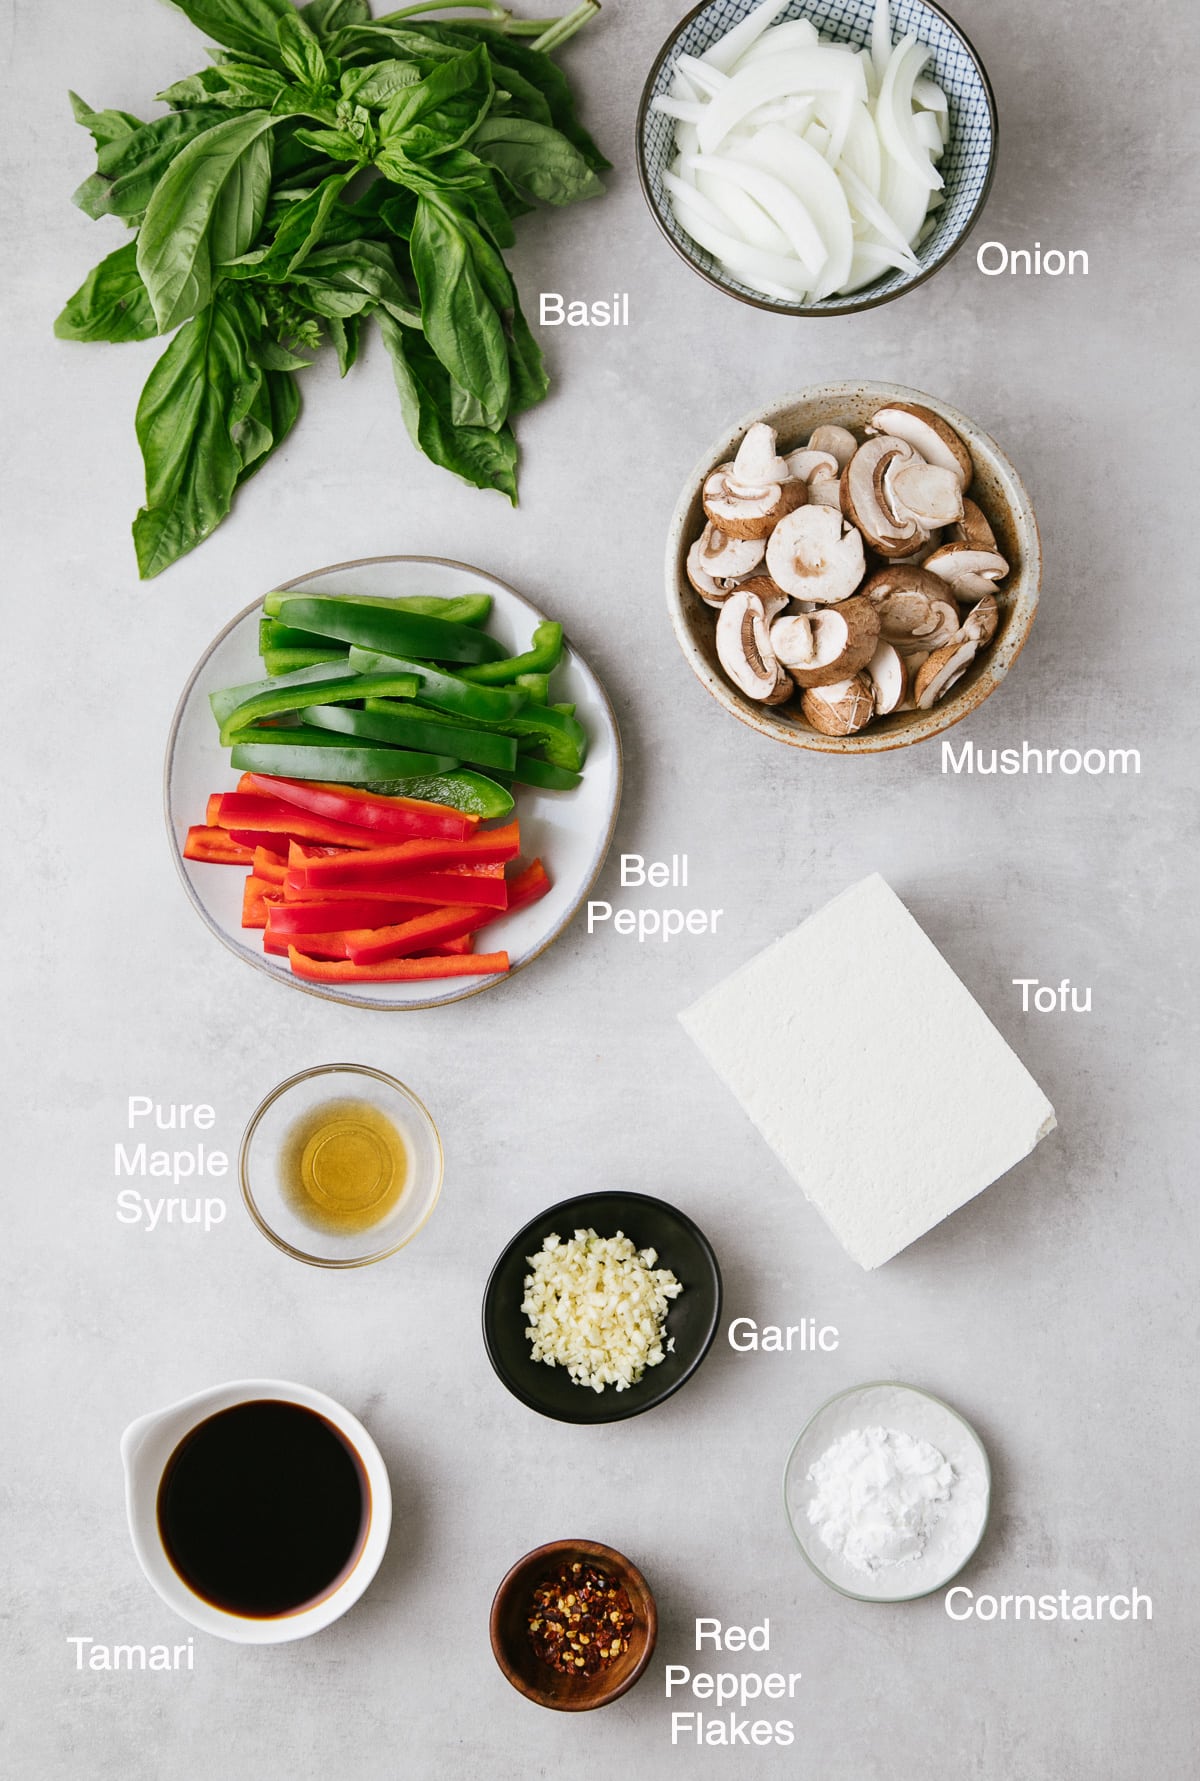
point(263, 1509)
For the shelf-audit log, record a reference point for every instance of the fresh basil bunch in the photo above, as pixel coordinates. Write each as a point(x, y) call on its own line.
point(329, 167)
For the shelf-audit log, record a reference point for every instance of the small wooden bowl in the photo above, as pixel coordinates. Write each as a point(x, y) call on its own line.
point(996, 487)
point(510, 1632)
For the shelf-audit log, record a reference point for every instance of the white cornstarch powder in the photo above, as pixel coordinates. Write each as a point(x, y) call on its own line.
point(879, 1495)
point(597, 1306)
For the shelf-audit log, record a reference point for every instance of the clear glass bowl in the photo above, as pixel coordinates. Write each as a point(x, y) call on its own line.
point(267, 1138)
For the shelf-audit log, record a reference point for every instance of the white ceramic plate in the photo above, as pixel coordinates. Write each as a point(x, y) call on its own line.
point(953, 1540)
point(570, 831)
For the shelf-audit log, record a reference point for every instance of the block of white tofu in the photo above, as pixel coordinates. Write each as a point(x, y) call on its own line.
point(873, 1074)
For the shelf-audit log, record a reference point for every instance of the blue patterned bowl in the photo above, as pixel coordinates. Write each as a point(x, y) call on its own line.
point(966, 167)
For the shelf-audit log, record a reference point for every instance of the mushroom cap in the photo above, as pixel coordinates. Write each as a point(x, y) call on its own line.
point(813, 554)
point(743, 512)
point(929, 435)
point(841, 709)
point(969, 571)
point(839, 442)
point(888, 675)
point(916, 611)
point(830, 646)
point(716, 563)
point(941, 670)
point(930, 494)
point(982, 620)
point(774, 599)
point(867, 501)
point(744, 650)
point(757, 462)
point(973, 527)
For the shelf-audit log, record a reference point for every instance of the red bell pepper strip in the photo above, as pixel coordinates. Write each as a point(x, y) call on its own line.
point(488, 847)
point(236, 810)
point(321, 946)
point(323, 917)
point(212, 811)
point(254, 901)
point(451, 948)
point(269, 865)
point(216, 847)
point(385, 818)
point(256, 838)
point(527, 887)
point(467, 964)
point(485, 888)
point(422, 934)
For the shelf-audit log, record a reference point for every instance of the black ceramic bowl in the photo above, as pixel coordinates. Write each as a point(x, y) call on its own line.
point(692, 1319)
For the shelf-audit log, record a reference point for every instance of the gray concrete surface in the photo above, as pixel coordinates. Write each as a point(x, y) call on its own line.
point(1057, 1311)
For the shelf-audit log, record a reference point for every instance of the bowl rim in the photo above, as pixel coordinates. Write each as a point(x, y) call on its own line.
point(889, 1601)
point(629, 1573)
point(281, 1088)
point(620, 1410)
point(773, 306)
point(724, 694)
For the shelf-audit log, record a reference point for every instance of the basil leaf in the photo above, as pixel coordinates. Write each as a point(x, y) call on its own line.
point(371, 43)
point(324, 17)
point(345, 331)
point(199, 391)
point(247, 25)
point(486, 459)
point(175, 243)
point(354, 276)
point(302, 54)
point(110, 304)
point(336, 145)
point(272, 415)
point(301, 228)
point(543, 72)
point(441, 111)
point(235, 85)
point(379, 84)
point(129, 166)
point(269, 355)
point(538, 162)
point(104, 126)
point(457, 314)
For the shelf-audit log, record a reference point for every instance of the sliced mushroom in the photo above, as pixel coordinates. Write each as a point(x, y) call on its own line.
point(839, 442)
point(930, 494)
point(925, 551)
point(969, 572)
point(773, 599)
point(819, 472)
point(865, 504)
point(973, 528)
point(747, 498)
point(841, 709)
point(830, 646)
point(941, 670)
point(982, 620)
point(744, 651)
point(814, 555)
point(916, 610)
point(929, 435)
point(888, 676)
point(716, 563)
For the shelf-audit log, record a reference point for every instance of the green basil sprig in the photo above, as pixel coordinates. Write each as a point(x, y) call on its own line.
point(328, 170)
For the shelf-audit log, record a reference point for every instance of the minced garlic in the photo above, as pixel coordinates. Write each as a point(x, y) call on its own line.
point(597, 1306)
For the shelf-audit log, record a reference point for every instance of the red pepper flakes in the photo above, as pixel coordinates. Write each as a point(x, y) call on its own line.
point(580, 1621)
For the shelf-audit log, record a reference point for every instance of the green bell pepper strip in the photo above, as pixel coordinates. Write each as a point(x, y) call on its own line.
point(457, 609)
point(535, 686)
point(396, 633)
point(561, 736)
point(405, 726)
point(273, 635)
point(287, 661)
point(464, 790)
point(530, 770)
point(542, 657)
point(341, 764)
point(230, 697)
point(280, 697)
point(447, 692)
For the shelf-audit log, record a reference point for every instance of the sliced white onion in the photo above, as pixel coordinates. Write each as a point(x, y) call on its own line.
point(894, 113)
point(778, 200)
point(749, 264)
point(928, 132)
point(874, 214)
point(826, 69)
point(791, 34)
point(725, 51)
point(811, 177)
point(741, 214)
point(702, 75)
point(861, 152)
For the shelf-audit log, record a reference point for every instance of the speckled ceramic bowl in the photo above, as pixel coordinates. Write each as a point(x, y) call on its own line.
point(967, 166)
point(996, 488)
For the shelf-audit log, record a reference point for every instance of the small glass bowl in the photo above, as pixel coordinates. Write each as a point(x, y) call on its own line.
point(264, 1142)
